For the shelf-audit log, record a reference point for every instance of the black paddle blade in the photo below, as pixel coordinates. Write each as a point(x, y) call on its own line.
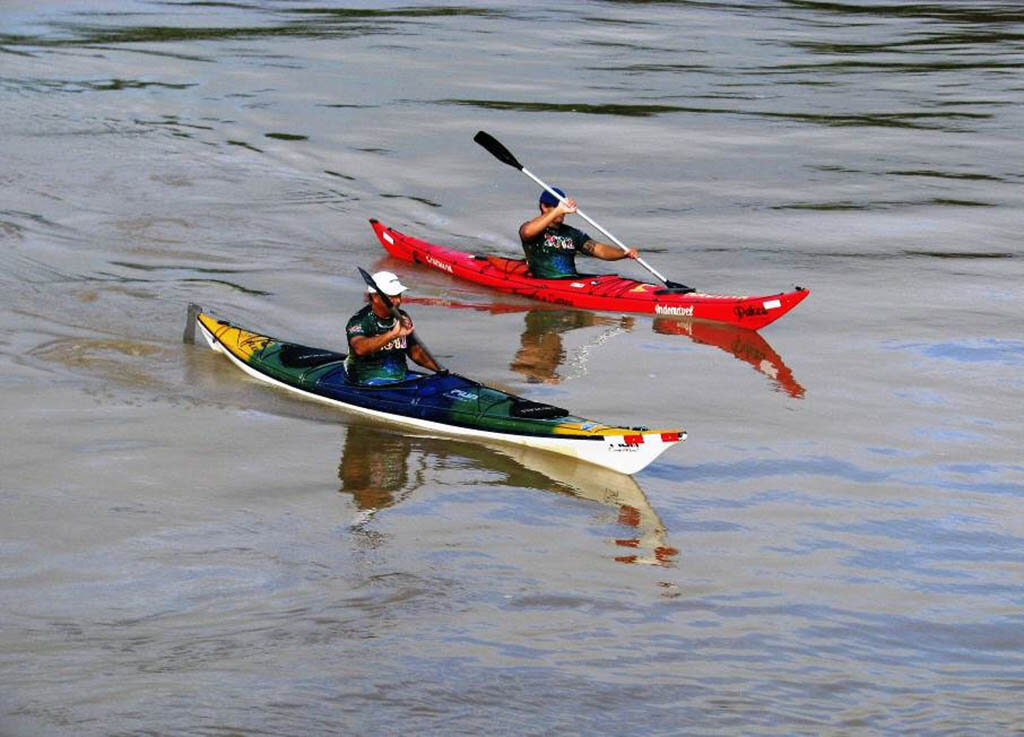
point(373, 285)
point(498, 151)
point(366, 277)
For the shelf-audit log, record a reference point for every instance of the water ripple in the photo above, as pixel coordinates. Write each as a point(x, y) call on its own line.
point(975, 350)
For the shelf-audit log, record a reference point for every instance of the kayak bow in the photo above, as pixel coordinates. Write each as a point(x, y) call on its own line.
point(444, 403)
point(591, 292)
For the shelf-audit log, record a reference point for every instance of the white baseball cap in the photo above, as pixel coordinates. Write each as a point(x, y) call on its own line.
point(388, 283)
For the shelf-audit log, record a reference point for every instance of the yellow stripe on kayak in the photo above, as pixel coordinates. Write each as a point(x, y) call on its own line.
point(240, 342)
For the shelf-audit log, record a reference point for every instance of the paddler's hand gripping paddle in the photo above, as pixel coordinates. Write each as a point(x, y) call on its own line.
point(397, 315)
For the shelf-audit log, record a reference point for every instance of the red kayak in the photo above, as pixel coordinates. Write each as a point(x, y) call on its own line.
point(594, 292)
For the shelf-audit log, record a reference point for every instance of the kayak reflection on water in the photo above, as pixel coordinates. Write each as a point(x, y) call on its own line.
point(542, 352)
point(746, 345)
point(380, 469)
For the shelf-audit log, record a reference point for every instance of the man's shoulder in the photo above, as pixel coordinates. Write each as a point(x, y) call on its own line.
point(574, 233)
point(355, 323)
point(557, 230)
point(361, 313)
point(532, 240)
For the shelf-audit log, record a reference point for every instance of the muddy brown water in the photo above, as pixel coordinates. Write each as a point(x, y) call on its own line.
point(835, 550)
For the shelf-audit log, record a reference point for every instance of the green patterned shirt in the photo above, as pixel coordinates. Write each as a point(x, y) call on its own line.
point(552, 254)
point(383, 365)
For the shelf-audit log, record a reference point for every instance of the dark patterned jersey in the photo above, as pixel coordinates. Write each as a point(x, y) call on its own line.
point(383, 365)
point(552, 254)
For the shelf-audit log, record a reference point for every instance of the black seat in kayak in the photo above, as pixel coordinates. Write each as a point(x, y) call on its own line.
point(300, 356)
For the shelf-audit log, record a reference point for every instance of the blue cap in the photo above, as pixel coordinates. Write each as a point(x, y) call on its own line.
point(546, 198)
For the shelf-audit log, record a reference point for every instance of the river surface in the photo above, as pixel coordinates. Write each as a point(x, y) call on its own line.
point(837, 549)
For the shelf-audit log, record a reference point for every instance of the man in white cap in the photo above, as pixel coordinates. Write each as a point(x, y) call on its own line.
point(378, 343)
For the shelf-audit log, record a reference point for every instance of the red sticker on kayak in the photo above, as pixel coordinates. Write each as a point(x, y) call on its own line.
point(633, 439)
point(670, 437)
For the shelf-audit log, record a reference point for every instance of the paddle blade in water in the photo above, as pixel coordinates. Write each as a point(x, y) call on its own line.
point(497, 150)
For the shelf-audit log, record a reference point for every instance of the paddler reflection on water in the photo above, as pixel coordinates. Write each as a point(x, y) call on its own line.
point(551, 245)
point(378, 342)
point(541, 351)
point(373, 467)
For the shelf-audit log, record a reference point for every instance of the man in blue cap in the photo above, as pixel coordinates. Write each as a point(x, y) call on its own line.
point(551, 245)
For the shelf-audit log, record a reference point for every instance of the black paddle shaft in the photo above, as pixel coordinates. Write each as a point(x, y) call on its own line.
point(393, 310)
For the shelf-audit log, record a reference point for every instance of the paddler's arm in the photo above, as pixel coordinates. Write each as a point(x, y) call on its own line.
point(363, 345)
point(420, 356)
point(533, 228)
point(607, 252)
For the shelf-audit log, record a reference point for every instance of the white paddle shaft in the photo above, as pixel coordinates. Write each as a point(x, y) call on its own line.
point(590, 220)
